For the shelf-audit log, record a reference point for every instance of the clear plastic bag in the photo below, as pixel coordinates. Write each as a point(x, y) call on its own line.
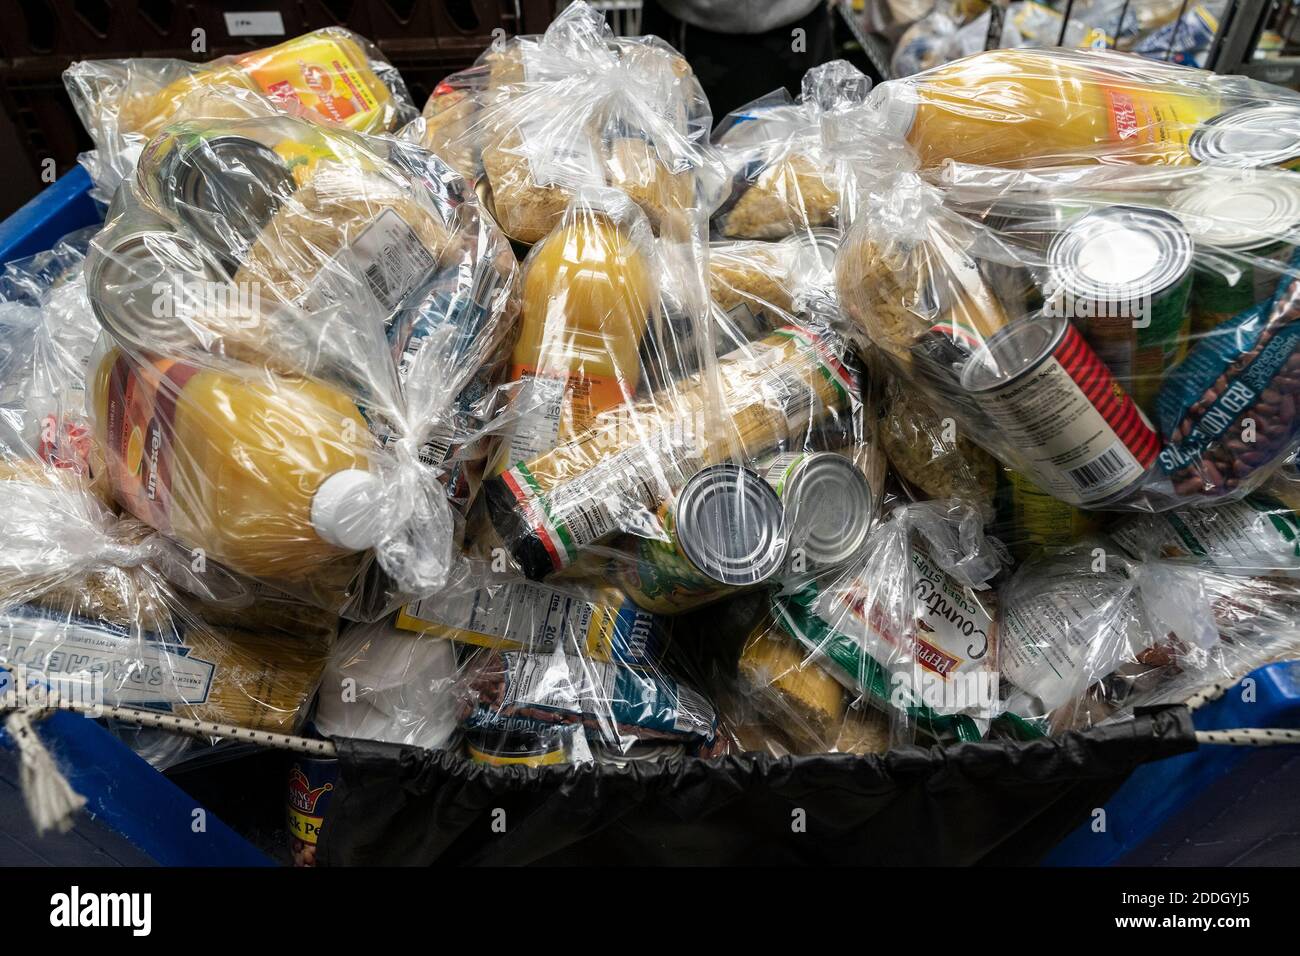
point(539, 117)
point(783, 179)
point(330, 75)
point(1122, 337)
point(304, 326)
point(905, 630)
point(678, 444)
point(99, 610)
point(1089, 635)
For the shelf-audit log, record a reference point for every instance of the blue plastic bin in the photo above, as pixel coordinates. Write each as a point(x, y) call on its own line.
point(134, 815)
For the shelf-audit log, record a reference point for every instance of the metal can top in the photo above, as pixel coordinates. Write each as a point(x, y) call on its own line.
point(828, 506)
point(1121, 251)
point(1249, 136)
point(1246, 216)
point(1010, 352)
point(125, 265)
point(731, 525)
point(228, 183)
point(638, 753)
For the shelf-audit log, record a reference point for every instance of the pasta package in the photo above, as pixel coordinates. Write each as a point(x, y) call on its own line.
point(539, 117)
point(784, 177)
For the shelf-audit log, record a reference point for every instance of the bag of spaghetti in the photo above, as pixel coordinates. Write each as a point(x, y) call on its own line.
point(304, 327)
point(331, 76)
point(1058, 107)
point(541, 116)
point(1122, 338)
point(906, 629)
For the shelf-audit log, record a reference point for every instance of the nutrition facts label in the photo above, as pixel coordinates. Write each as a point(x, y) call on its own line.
point(519, 613)
point(1069, 444)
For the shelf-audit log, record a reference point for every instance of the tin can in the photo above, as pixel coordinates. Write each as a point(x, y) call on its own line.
point(1033, 519)
point(140, 274)
point(726, 530)
point(1252, 137)
point(638, 753)
point(312, 781)
point(1078, 433)
point(1124, 275)
point(1251, 224)
point(828, 506)
point(516, 748)
point(223, 186)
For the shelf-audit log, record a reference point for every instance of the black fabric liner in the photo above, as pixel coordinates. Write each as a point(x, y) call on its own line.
point(990, 802)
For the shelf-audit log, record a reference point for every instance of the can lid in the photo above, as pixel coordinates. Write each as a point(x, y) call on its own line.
point(1246, 215)
point(1128, 250)
point(228, 187)
point(1249, 136)
point(731, 525)
point(1010, 351)
point(828, 504)
point(346, 512)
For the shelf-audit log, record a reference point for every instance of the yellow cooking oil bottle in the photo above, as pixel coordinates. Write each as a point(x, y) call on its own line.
point(1019, 107)
point(588, 294)
point(266, 475)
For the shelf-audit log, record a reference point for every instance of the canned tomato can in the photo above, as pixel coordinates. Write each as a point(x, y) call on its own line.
point(141, 273)
point(312, 781)
point(517, 748)
point(1124, 275)
point(1251, 137)
point(828, 506)
point(725, 530)
point(222, 186)
point(1249, 228)
point(1076, 432)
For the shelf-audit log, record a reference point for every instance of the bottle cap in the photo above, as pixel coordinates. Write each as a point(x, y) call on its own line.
point(346, 510)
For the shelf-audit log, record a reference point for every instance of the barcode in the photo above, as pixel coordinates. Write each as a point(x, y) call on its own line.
point(1102, 469)
point(437, 447)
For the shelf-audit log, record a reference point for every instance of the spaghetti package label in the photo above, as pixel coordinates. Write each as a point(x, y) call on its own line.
point(128, 668)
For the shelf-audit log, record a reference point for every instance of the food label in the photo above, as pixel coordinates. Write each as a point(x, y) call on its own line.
point(137, 670)
point(565, 685)
point(1147, 120)
point(1082, 436)
point(140, 416)
point(604, 499)
point(391, 258)
point(544, 399)
point(311, 785)
point(523, 615)
point(1254, 533)
point(948, 656)
point(1066, 634)
point(314, 73)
